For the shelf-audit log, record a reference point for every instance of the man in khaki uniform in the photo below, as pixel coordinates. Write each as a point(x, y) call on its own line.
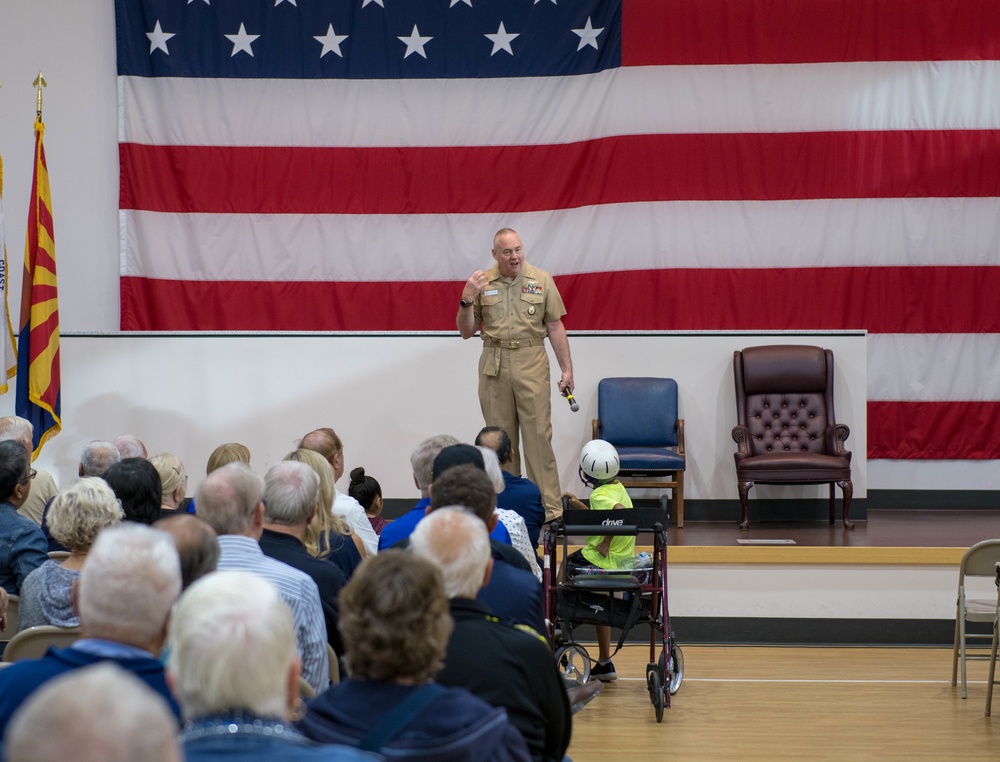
point(518, 305)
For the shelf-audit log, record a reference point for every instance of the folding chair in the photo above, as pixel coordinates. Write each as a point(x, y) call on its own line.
point(979, 561)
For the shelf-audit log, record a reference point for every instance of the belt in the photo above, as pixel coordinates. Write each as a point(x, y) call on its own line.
point(489, 341)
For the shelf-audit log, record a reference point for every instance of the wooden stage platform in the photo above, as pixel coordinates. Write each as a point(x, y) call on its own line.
point(895, 537)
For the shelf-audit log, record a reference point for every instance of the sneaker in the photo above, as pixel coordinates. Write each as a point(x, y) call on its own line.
point(604, 672)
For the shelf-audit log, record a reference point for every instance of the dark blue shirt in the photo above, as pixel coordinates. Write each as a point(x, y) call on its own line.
point(524, 498)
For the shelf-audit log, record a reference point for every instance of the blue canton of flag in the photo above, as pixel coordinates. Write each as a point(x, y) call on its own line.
point(366, 39)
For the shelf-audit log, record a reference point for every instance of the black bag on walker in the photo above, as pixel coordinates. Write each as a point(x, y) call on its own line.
point(612, 601)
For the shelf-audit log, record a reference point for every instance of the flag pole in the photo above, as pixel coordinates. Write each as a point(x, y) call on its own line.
point(38, 377)
point(39, 83)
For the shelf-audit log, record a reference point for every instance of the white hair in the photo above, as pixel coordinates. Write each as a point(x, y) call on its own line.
point(291, 491)
point(18, 429)
point(232, 644)
point(130, 582)
point(130, 446)
point(491, 461)
point(79, 512)
point(456, 542)
point(97, 457)
point(99, 713)
point(422, 458)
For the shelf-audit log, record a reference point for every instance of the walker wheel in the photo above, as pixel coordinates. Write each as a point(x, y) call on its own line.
point(672, 674)
point(676, 668)
point(656, 693)
point(574, 663)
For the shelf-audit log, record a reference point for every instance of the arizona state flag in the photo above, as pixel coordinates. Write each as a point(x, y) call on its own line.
point(38, 383)
point(8, 359)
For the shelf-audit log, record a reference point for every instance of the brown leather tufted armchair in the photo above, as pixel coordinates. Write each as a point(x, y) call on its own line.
point(787, 431)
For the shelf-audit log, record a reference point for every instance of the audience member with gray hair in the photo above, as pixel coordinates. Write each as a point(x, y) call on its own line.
point(291, 502)
point(511, 520)
point(96, 714)
point(13, 428)
point(231, 501)
point(75, 517)
point(521, 675)
point(130, 446)
point(513, 592)
point(395, 622)
point(96, 458)
point(22, 545)
point(197, 545)
point(124, 596)
point(422, 466)
point(223, 624)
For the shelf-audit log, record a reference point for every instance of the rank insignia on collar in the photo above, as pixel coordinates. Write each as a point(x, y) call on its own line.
point(531, 288)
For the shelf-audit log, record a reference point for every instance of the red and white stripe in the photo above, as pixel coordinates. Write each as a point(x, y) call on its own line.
point(767, 164)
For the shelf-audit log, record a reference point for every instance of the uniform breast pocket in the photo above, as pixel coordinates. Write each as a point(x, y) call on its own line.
point(491, 301)
point(532, 305)
point(492, 306)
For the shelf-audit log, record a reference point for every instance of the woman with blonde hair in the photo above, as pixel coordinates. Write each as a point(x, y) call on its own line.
point(329, 535)
point(76, 516)
point(173, 482)
point(224, 454)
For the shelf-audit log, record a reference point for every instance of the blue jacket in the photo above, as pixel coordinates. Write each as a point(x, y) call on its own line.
point(400, 529)
point(456, 727)
point(524, 498)
point(22, 548)
point(20, 680)
point(262, 746)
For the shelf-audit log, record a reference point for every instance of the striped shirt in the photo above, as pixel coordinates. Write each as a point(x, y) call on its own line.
point(297, 589)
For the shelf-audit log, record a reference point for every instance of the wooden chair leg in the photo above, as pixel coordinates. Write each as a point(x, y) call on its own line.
point(848, 489)
point(679, 498)
point(833, 502)
point(744, 488)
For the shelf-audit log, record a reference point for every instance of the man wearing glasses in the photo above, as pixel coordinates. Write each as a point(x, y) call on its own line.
point(22, 545)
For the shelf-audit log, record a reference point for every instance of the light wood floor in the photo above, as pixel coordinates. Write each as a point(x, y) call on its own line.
point(793, 703)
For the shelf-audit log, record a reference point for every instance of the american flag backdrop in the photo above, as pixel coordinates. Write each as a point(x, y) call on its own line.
point(676, 164)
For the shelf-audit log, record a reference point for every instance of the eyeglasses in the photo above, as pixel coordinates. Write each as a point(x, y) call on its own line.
point(32, 473)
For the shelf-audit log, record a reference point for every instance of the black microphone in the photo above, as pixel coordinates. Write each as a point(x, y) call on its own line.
point(569, 398)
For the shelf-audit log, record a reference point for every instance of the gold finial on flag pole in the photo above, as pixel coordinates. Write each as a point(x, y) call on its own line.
point(39, 83)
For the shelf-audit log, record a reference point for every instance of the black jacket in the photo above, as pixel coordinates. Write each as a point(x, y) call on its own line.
point(509, 667)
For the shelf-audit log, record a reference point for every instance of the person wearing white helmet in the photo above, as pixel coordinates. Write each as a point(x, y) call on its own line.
point(599, 466)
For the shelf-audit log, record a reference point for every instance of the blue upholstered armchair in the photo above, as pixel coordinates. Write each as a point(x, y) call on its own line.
point(639, 417)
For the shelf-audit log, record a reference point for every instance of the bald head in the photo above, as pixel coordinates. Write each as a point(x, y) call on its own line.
point(497, 440)
point(228, 500)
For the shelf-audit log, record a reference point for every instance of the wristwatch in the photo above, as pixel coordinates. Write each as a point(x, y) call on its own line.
point(465, 303)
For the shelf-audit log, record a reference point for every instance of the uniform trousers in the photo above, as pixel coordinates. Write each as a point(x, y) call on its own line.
point(515, 394)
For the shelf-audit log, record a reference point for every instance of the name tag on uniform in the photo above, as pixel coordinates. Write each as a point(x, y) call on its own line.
point(494, 292)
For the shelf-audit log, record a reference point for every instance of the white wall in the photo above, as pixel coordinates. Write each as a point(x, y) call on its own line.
point(383, 394)
point(73, 43)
